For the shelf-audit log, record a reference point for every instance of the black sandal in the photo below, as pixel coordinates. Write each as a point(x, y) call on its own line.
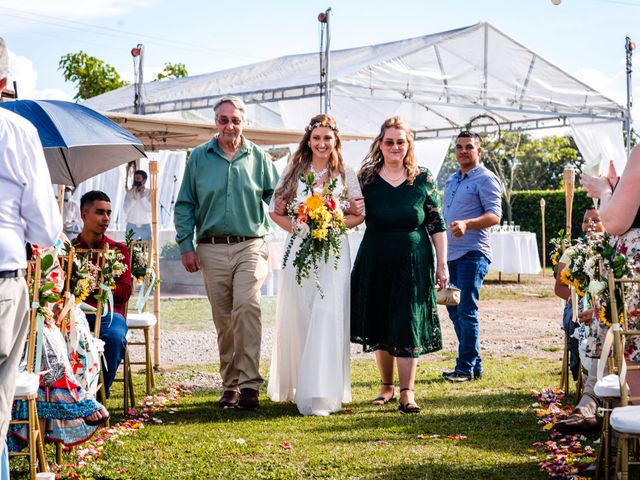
point(409, 407)
point(384, 400)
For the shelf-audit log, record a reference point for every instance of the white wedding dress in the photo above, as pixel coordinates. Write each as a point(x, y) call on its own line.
point(310, 359)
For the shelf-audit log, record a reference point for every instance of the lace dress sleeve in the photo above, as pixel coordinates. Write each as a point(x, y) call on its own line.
point(272, 203)
point(353, 185)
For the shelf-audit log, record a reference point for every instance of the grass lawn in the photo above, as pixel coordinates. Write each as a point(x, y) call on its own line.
point(201, 441)
point(180, 314)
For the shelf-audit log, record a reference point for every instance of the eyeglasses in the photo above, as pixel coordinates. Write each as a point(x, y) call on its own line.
point(225, 121)
point(390, 143)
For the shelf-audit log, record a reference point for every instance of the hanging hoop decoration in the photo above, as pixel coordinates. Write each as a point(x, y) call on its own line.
point(489, 130)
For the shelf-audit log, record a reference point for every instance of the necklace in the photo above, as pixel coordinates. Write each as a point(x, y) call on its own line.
point(321, 173)
point(389, 177)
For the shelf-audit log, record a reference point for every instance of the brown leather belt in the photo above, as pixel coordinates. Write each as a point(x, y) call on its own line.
point(13, 273)
point(228, 240)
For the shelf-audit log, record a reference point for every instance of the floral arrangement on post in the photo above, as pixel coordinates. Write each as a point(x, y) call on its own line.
point(112, 268)
point(87, 276)
point(141, 268)
point(319, 223)
point(51, 280)
point(590, 260)
point(614, 259)
point(84, 275)
point(556, 253)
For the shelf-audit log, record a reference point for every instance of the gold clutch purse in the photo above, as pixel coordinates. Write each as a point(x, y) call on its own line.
point(449, 296)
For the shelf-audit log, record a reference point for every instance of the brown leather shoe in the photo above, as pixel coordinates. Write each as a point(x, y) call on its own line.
point(578, 423)
point(229, 399)
point(248, 399)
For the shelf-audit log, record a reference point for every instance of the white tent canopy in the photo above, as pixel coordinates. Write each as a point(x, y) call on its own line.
point(437, 82)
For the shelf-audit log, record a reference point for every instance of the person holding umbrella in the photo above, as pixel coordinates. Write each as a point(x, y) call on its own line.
point(28, 213)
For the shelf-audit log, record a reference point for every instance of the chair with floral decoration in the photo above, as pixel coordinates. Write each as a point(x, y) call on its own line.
point(145, 278)
point(94, 261)
point(27, 381)
point(624, 294)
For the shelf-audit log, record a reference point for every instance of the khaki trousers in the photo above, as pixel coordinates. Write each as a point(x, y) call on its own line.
point(14, 315)
point(233, 275)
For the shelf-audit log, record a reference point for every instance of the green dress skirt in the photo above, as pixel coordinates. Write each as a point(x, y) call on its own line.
point(393, 305)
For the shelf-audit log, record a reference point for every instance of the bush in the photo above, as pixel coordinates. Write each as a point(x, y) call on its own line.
point(526, 213)
point(170, 251)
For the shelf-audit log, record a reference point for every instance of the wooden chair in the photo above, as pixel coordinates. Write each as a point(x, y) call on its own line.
point(140, 319)
point(625, 420)
point(28, 382)
point(607, 388)
point(97, 257)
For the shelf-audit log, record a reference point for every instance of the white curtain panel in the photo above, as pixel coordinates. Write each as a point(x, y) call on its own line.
point(595, 138)
point(431, 153)
point(110, 182)
point(171, 168)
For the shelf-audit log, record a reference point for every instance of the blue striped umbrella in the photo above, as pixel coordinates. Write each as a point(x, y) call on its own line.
point(79, 143)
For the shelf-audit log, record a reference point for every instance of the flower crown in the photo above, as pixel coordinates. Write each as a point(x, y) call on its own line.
point(323, 123)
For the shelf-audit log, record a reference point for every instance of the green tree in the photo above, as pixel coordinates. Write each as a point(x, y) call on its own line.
point(544, 160)
point(92, 75)
point(172, 70)
point(523, 163)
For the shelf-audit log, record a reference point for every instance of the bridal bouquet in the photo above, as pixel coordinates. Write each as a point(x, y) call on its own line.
point(319, 223)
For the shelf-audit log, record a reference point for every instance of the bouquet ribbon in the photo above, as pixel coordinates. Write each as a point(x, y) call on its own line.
point(145, 293)
point(109, 302)
point(39, 334)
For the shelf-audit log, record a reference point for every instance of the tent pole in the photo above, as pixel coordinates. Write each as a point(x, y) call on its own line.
point(629, 47)
point(327, 88)
point(153, 175)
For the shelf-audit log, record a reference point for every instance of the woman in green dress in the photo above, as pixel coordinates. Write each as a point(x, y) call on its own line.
point(393, 304)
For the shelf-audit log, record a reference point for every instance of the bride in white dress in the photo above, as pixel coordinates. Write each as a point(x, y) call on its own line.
point(310, 359)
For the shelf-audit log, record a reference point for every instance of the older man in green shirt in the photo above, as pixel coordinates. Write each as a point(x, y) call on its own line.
point(227, 181)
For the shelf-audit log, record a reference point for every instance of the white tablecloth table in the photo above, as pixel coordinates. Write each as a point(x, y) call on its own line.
point(515, 252)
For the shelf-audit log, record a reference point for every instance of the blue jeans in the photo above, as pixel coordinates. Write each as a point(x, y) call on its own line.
point(4, 463)
point(467, 273)
point(114, 335)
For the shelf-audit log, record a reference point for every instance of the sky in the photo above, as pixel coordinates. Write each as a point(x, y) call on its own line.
point(583, 37)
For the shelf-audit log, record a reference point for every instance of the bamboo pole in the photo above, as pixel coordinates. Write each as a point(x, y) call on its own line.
point(155, 249)
point(569, 187)
point(544, 239)
point(61, 198)
point(569, 177)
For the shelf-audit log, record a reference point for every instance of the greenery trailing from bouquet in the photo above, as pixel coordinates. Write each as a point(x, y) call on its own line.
point(319, 223)
point(558, 248)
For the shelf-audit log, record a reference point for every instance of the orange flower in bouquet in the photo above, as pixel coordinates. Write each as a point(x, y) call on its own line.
point(319, 223)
